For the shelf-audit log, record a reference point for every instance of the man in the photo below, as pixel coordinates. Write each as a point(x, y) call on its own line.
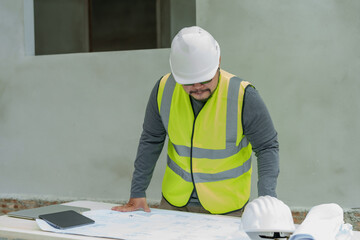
point(213, 120)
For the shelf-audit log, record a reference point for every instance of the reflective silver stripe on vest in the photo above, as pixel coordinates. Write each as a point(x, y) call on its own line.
point(210, 153)
point(231, 124)
point(166, 101)
point(209, 177)
point(232, 111)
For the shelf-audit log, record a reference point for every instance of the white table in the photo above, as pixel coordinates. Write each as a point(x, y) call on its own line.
point(16, 228)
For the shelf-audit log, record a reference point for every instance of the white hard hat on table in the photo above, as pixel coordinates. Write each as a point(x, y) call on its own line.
point(194, 56)
point(267, 215)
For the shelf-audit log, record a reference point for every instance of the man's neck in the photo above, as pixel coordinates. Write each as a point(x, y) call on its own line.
point(197, 105)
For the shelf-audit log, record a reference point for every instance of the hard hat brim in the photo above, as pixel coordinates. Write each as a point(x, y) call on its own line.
point(193, 80)
point(283, 230)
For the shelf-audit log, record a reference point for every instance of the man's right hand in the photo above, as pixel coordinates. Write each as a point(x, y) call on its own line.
point(133, 205)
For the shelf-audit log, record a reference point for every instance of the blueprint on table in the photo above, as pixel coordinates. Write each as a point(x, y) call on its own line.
point(159, 224)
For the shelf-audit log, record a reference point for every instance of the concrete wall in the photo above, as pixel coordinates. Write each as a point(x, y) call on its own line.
point(183, 14)
point(70, 124)
point(304, 58)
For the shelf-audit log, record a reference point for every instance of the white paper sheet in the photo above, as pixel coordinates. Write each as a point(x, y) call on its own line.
point(159, 224)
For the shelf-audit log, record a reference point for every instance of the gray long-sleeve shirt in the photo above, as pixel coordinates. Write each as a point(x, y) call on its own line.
point(257, 126)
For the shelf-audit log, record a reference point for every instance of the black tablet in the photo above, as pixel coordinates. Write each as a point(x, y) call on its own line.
point(66, 219)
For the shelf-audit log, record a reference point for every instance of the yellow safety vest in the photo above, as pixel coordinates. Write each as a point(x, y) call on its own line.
point(210, 152)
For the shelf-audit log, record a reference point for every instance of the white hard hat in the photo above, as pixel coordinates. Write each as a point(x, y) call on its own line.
point(267, 216)
point(194, 56)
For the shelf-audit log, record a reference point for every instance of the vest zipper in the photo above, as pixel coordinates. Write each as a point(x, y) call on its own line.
point(191, 148)
point(191, 152)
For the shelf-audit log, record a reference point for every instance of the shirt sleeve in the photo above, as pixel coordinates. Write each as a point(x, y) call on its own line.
point(150, 146)
point(259, 130)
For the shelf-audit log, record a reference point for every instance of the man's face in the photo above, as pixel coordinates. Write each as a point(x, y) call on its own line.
point(202, 91)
